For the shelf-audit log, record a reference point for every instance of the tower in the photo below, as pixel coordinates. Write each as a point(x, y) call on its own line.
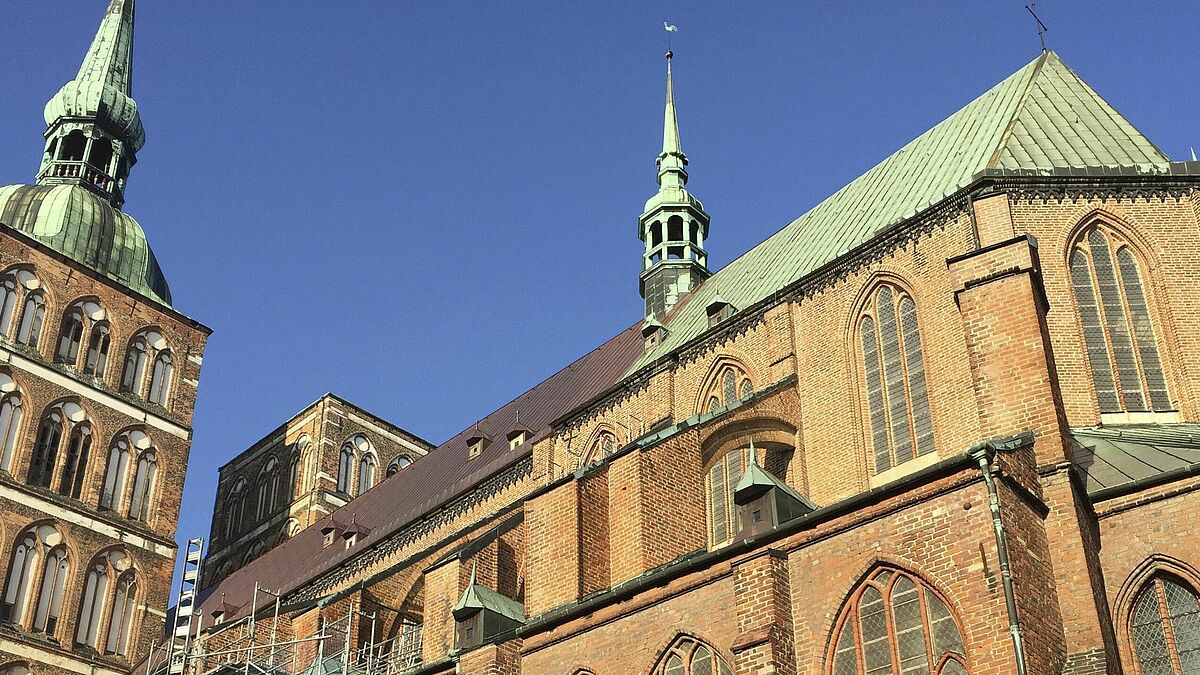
point(98, 381)
point(93, 128)
point(673, 226)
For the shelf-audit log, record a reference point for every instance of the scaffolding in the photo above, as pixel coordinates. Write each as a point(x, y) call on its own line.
point(253, 646)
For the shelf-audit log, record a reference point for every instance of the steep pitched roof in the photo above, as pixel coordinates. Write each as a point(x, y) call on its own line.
point(433, 480)
point(1040, 118)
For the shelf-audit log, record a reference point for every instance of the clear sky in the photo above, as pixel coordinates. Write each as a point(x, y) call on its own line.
point(429, 207)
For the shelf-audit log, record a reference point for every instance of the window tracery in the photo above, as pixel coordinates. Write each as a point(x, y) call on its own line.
point(148, 351)
point(356, 453)
point(894, 624)
point(144, 480)
point(729, 384)
point(689, 656)
point(1118, 328)
point(603, 444)
point(37, 575)
point(22, 304)
point(105, 573)
point(63, 420)
point(1165, 627)
point(897, 400)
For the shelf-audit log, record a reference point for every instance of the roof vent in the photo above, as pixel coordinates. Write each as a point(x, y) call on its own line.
point(718, 310)
point(653, 333)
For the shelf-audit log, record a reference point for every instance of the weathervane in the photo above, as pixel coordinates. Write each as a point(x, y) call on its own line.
point(670, 28)
point(1032, 7)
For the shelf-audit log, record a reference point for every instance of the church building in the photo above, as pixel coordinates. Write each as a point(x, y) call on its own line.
point(98, 377)
point(941, 423)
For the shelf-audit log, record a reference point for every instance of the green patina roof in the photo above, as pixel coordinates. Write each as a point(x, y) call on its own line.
point(1040, 118)
point(103, 88)
point(87, 228)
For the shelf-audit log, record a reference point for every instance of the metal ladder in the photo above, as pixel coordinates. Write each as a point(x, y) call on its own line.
point(180, 641)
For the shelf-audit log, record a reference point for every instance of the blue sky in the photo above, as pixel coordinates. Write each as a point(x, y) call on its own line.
point(427, 208)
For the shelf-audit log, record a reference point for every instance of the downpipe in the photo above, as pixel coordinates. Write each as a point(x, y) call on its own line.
point(983, 453)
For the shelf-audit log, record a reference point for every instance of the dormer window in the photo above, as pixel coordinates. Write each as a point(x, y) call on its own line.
point(516, 441)
point(353, 534)
point(351, 539)
point(330, 533)
point(718, 310)
point(475, 444)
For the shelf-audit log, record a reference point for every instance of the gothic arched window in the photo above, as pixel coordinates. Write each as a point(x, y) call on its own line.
point(120, 623)
point(33, 315)
point(75, 466)
point(36, 580)
point(16, 288)
point(724, 387)
point(237, 506)
point(45, 449)
point(116, 475)
point(894, 624)
point(8, 302)
point(1165, 626)
point(160, 378)
point(723, 477)
point(603, 444)
point(10, 425)
point(366, 473)
point(94, 604)
point(148, 347)
point(70, 338)
point(18, 586)
point(97, 353)
point(50, 596)
point(345, 467)
point(894, 371)
point(1118, 329)
point(143, 487)
point(688, 656)
point(292, 487)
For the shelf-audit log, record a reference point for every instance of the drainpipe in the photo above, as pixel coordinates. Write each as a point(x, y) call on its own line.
point(982, 453)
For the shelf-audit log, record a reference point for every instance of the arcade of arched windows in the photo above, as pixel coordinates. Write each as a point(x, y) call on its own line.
point(84, 340)
point(276, 484)
point(44, 572)
point(61, 451)
point(358, 465)
point(727, 383)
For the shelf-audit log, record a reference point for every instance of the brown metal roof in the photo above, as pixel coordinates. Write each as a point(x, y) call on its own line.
point(433, 480)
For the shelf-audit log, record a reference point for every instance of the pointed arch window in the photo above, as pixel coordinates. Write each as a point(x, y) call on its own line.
point(366, 473)
point(268, 489)
point(18, 586)
point(50, 597)
point(75, 466)
point(36, 580)
point(345, 467)
point(603, 444)
point(10, 426)
point(33, 315)
point(895, 625)
point(160, 378)
point(116, 474)
point(70, 338)
point(689, 656)
point(45, 450)
point(97, 353)
point(120, 624)
point(728, 385)
point(723, 478)
point(148, 351)
point(237, 505)
point(1118, 328)
point(1165, 626)
point(894, 373)
point(143, 487)
point(9, 295)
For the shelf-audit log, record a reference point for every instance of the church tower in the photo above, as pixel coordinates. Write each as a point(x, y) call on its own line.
point(673, 225)
point(98, 380)
point(93, 127)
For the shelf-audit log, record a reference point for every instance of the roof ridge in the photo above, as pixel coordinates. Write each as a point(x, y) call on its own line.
point(1016, 113)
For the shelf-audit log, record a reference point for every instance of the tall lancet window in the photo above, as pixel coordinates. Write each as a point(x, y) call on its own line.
point(1118, 328)
point(10, 426)
point(894, 374)
point(37, 577)
point(144, 478)
point(33, 315)
point(22, 307)
point(366, 473)
point(1165, 626)
point(120, 623)
point(75, 465)
point(150, 351)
